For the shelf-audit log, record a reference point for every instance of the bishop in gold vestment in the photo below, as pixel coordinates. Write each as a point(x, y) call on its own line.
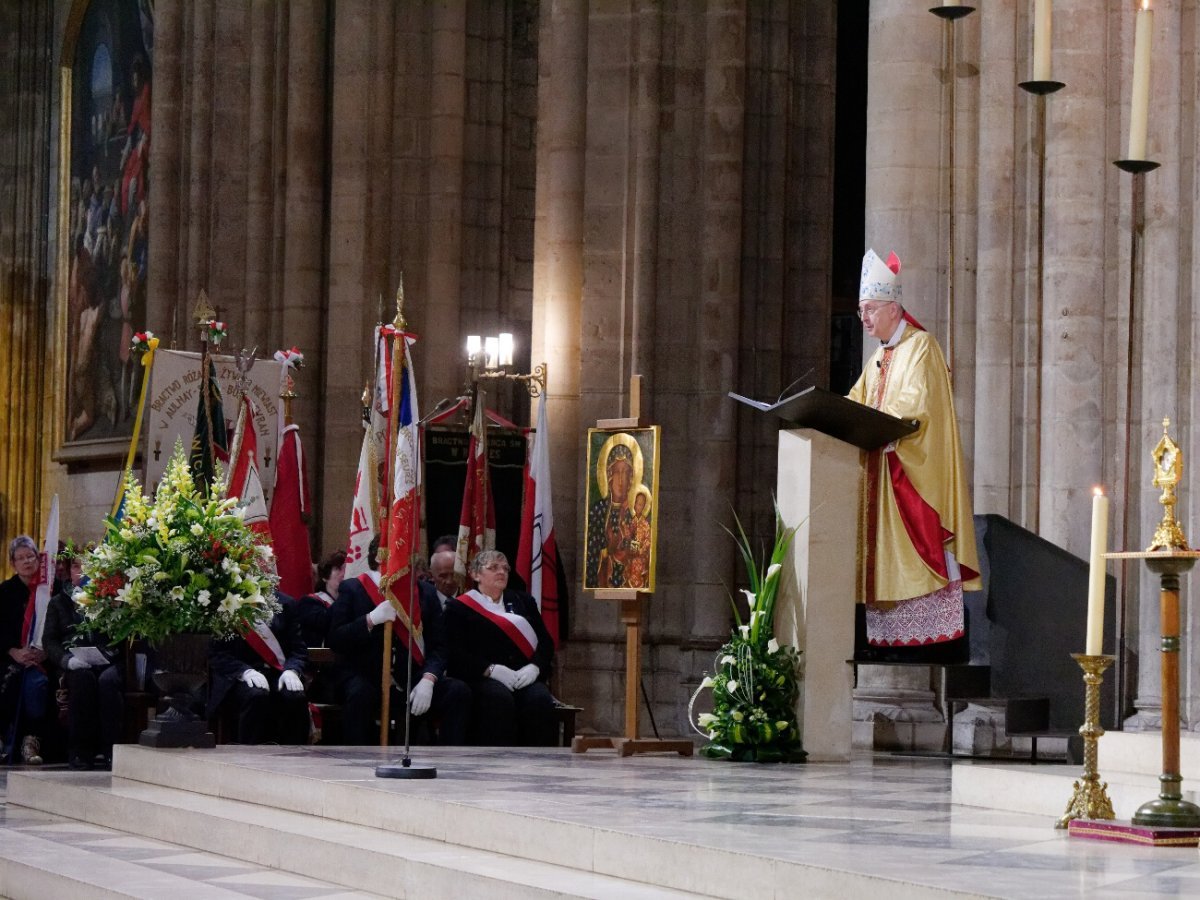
point(916, 539)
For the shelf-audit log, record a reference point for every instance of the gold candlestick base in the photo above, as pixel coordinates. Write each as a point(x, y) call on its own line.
point(1090, 800)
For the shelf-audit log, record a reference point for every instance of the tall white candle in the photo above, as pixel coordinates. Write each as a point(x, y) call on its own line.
point(1041, 40)
point(951, 2)
point(1139, 107)
point(1096, 573)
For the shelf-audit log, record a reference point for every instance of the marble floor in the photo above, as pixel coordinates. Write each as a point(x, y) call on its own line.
point(878, 817)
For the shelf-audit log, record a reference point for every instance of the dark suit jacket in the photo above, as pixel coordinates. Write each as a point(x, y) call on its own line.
point(475, 643)
point(360, 652)
point(227, 660)
point(65, 629)
point(314, 620)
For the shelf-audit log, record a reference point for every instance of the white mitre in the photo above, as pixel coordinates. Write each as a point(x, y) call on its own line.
point(880, 280)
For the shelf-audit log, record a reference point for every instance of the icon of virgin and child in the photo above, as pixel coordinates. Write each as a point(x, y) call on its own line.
point(620, 523)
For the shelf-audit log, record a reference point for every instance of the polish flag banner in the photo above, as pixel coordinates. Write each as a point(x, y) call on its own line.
point(537, 552)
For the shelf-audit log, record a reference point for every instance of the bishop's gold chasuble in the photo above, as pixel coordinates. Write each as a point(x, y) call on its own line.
point(916, 537)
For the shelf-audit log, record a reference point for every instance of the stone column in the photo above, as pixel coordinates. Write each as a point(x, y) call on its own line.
point(447, 115)
point(1161, 361)
point(354, 189)
point(558, 252)
point(166, 305)
point(1073, 312)
point(905, 148)
point(303, 283)
point(713, 445)
point(1002, 163)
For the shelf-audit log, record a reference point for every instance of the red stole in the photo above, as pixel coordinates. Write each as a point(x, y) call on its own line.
point(376, 595)
point(266, 645)
point(526, 643)
point(30, 615)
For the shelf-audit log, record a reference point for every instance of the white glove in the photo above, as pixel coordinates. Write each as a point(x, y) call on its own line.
point(255, 679)
point(421, 697)
point(384, 612)
point(74, 664)
point(290, 681)
point(525, 676)
point(504, 675)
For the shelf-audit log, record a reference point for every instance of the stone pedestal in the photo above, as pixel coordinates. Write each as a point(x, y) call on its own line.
point(818, 481)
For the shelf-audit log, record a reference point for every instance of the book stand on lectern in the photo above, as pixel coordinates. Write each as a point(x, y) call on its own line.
point(817, 491)
point(633, 605)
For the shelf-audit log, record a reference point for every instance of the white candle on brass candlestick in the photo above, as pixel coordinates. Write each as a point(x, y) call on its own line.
point(1041, 40)
point(1096, 575)
point(1139, 107)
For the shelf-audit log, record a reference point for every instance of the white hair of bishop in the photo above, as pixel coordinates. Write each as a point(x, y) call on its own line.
point(880, 280)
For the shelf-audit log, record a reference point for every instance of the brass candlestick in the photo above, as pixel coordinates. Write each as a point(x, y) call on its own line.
point(1090, 800)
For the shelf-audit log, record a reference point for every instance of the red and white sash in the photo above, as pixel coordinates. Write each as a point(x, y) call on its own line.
point(515, 627)
point(262, 639)
point(323, 597)
point(367, 580)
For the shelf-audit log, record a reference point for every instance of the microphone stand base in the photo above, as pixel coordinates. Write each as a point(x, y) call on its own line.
point(404, 770)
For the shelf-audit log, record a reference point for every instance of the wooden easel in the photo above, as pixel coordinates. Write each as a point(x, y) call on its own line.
point(632, 612)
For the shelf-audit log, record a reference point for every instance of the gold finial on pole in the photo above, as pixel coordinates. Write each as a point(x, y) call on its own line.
point(399, 320)
point(204, 311)
point(1168, 472)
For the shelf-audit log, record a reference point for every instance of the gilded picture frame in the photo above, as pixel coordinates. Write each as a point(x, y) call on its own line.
point(103, 225)
point(621, 529)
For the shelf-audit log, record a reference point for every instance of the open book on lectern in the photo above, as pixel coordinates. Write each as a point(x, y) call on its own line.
point(837, 416)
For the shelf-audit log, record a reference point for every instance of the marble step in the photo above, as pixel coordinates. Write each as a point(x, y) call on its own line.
point(50, 856)
point(1141, 752)
point(1046, 790)
point(384, 862)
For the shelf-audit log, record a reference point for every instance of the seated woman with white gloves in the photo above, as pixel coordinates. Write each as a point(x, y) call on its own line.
point(499, 645)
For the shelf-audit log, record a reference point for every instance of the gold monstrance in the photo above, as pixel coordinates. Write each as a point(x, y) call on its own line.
point(1168, 470)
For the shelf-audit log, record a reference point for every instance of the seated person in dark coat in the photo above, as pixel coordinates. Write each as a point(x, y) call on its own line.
point(259, 676)
point(357, 639)
point(314, 608)
point(500, 647)
point(95, 691)
point(24, 687)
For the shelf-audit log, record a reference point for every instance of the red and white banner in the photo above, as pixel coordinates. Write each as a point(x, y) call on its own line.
point(244, 481)
point(537, 552)
point(362, 512)
point(45, 582)
point(290, 508)
point(477, 522)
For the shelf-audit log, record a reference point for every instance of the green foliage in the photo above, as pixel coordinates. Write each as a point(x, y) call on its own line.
point(186, 562)
point(755, 684)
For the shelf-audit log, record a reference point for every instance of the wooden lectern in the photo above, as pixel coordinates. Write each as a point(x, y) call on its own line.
point(817, 490)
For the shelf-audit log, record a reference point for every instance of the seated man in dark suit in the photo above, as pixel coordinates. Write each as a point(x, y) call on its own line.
point(95, 689)
point(356, 637)
point(259, 675)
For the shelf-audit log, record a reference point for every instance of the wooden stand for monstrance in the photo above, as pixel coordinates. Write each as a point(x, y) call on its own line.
point(632, 612)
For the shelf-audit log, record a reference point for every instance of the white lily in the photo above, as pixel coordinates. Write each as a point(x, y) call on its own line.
point(731, 685)
point(772, 646)
point(706, 720)
point(727, 660)
point(771, 570)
